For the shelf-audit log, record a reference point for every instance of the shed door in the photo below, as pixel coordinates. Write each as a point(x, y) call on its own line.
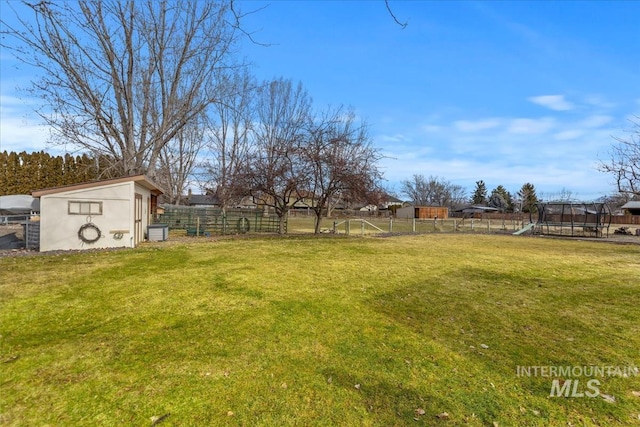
point(137, 222)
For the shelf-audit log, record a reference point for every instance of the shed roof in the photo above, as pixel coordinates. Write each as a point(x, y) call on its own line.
point(142, 180)
point(204, 200)
point(475, 208)
point(391, 199)
point(631, 205)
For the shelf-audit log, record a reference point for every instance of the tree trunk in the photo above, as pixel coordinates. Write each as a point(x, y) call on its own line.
point(318, 221)
point(282, 226)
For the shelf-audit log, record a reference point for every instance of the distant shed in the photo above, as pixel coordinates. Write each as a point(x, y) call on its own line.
point(101, 214)
point(203, 200)
point(632, 207)
point(422, 212)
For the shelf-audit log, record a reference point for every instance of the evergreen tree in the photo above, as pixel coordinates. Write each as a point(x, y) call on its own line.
point(13, 174)
point(86, 169)
point(28, 171)
point(529, 198)
point(55, 177)
point(4, 181)
point(39, 177)
point(69, 171)
point(22, 173)
point(479, 194)
point(501, 199)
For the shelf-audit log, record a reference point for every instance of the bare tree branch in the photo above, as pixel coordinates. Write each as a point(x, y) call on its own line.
point(229, 138)
point(624, 162)
point(402, 25)
point(433, 191)
point(179, 158)
point(239, 16)
point(340, 159)
point(122, 78)
point(275, 174)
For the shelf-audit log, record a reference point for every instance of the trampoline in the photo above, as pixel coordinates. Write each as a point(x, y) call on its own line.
point(574, 219)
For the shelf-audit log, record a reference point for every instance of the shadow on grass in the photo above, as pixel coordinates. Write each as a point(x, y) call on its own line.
point(388, 402)
point(495, 322)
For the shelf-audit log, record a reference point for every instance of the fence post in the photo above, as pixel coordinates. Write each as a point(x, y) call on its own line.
point(348, 227)
point(362, 227)
point(455, 227)
point(488, 225)
point(472, 224)
point(413, 227)
point(335, 227)
point(197, 226)
point(435, 220)
point(390, 225)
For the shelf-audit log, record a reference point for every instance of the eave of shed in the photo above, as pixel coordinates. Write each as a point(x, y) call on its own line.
point(631, 205)
point(142, 180)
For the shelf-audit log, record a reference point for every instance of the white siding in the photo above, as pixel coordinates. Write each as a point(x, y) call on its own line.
point(59, 229)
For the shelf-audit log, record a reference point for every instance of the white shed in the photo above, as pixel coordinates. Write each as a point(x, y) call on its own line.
point(101, 214)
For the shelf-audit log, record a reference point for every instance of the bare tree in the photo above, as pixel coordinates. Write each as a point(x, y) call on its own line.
point(340, 159)
point(230, 137)
point(124, 77)
point(178, 160)
point(563, 196)
point(416, 189)
point(433, 191)
point(458, 196)
point(276, 173)
point(624, 163)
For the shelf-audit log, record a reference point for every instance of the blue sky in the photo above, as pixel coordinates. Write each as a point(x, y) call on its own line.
point(507, 91)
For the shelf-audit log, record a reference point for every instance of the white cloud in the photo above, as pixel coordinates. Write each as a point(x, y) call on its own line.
point(398, 137)
point(13, 105)
point(553, 102)
point(551, 152)
point(596, 121)
point(20, 129)
point(19, 135)
point(531, 126)
point(568, 134)
point(598, 102)
point(477, 125)
point(432, 128)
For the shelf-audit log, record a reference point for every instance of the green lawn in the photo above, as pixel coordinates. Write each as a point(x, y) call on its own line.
point(320, 331)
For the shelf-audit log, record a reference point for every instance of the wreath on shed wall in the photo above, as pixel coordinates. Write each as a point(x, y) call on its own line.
point(89, 233)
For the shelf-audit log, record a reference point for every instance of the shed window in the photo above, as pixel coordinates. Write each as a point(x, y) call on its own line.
point(85, 208)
